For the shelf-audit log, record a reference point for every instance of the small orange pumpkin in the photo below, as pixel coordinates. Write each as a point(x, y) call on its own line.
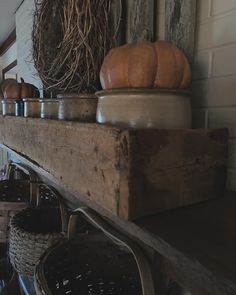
point(146, 65)
point(14, 90)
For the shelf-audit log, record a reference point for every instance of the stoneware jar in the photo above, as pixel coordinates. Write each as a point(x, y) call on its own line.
point(76, 107)
point(145, 108)
point(32, 107)
point(49, 108)
point(8, 107)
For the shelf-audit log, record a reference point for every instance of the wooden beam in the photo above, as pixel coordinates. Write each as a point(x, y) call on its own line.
point(180, 25)
point(204, 233)
point(131, 173)
point(139, 20)
point(8, 42)
point(196, 243)
point(119, 21)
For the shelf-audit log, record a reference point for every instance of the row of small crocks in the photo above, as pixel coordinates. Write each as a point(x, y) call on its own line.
point(145, 85)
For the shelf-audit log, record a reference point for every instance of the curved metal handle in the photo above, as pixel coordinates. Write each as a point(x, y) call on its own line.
point(118, 238)
point(62, 207)
point(13, 166)
point(34, 180)
point(34, 189)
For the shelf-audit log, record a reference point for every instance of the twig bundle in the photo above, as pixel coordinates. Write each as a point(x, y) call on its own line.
point(70, 41)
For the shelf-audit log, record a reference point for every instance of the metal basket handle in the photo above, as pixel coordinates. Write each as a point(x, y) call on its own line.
point(34, 180)
point(62, 206)
point(34, 189)
point(118, 238)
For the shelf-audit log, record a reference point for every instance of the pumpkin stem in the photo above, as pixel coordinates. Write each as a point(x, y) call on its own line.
point(22, 80)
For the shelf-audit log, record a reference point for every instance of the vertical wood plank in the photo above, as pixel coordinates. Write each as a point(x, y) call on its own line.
point(119, 19)
point(139, 20)
point(180, 24)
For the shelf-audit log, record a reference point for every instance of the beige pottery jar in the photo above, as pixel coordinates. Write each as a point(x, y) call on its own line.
point(145, 108)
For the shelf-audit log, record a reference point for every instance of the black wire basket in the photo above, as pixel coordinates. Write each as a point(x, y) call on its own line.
point(15, 194)
point(93, 264)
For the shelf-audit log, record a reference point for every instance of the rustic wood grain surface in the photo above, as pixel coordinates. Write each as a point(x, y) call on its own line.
point(131, 173)
point(196, 243)
point(180, 23)
point(139, 20)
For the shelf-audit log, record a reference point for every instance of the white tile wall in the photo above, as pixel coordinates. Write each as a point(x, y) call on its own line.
point(216, 31)
point(222, 6)
point(218, 92)
point(223, 117)
point(224, 62)
point(204, 10)
point(203, 64)
point(214, 74)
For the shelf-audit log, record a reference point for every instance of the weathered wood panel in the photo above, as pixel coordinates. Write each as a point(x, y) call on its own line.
point(180, 24)
point(196, 243)
point(171, 168)
point(190, 241)
point(205, 232)
point(85, 157)
point(139, 20)
point(131, 173)
point(118, 22)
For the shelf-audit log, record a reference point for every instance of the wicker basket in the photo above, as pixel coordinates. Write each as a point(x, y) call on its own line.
point(33, 230)
point(14, 196)
point(93, 264)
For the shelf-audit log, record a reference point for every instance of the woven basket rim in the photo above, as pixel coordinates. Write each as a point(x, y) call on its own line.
point(16, 226)
point(38, 236)
point(32, 231)
point(39, 275)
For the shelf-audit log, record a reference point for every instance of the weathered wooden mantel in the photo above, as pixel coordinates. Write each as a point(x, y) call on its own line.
point(195, 245)
point(131, 173)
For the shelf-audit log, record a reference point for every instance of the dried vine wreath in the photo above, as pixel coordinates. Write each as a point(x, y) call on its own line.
point(70, 41)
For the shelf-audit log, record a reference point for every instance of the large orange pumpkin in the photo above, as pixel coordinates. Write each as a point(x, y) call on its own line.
point(14, 90)
point(146, 65)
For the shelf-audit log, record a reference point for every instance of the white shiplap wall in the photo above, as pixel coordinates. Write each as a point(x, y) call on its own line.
point(214, 86)
point(24, 24)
